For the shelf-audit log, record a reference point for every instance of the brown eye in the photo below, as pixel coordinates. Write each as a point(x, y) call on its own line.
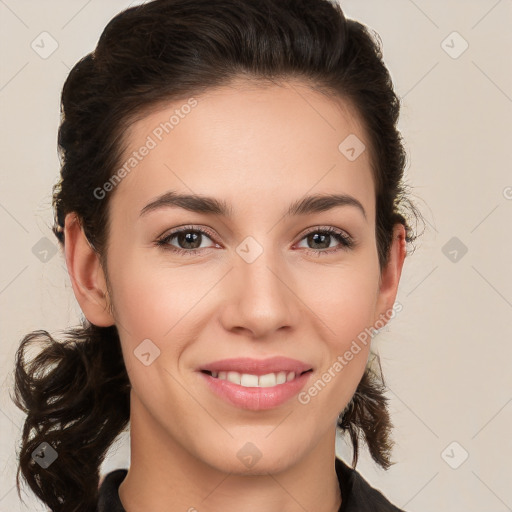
point(188, 239)
point(319, 241)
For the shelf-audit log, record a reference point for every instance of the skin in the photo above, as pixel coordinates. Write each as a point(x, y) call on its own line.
point(259, 148)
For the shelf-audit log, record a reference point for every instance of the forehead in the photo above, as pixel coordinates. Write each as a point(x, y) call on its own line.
point(249, 144)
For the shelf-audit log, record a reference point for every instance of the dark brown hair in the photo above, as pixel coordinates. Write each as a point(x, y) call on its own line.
point(75, 393)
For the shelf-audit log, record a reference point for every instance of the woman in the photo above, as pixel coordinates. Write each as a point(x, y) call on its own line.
point(232, 213)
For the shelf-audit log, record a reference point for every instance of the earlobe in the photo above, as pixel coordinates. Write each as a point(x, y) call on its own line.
point(390, 275)
point(86, 274)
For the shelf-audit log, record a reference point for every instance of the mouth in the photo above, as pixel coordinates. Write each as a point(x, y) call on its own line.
point(249, 380)
point(256, 384)
point(256, 392)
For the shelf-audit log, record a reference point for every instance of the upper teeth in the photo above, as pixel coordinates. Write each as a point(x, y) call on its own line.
point(252, 381)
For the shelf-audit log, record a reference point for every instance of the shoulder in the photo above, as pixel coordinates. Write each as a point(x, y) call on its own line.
point(358, 495)
point(108, 497)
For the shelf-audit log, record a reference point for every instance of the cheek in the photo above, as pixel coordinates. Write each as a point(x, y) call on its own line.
point(153, 304)
point(344, 299)
point(150, 300)
point(162, 304)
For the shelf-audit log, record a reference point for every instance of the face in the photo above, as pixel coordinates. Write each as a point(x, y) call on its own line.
point(193, 285)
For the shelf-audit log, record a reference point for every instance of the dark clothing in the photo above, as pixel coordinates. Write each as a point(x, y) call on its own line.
point(356, 493)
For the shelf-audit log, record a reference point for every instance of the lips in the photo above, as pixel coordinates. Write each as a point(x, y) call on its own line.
point(245, 394)
point(257, 366)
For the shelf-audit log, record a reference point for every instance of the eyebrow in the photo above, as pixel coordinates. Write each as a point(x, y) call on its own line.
point(209, 205)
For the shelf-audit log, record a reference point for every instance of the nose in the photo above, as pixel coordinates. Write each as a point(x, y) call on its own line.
point(260, 298)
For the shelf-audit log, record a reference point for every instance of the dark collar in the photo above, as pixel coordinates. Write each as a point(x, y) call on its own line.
point(358, 495)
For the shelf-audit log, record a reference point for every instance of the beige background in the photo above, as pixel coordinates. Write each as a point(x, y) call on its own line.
point(446, 356)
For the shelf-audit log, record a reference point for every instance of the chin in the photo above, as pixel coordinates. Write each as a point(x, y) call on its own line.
point(260, 468)
point(248, 459)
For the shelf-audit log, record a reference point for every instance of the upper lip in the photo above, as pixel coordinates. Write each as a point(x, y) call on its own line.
point(257, 366)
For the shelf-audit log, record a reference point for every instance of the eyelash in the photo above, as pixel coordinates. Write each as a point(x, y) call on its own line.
point(346, 242)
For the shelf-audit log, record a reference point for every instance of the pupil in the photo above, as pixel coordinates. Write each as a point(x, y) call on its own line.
point(323, 237)
point(190, 238)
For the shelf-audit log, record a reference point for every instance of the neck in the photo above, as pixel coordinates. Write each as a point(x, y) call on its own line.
point(163, 476)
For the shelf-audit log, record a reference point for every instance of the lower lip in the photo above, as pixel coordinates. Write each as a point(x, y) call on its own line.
point(256, 399)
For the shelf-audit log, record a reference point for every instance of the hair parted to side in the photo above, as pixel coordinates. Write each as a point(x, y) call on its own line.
point(76, 391)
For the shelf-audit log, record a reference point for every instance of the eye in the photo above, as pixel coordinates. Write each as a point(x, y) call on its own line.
point(323, 237)
point(189, 240)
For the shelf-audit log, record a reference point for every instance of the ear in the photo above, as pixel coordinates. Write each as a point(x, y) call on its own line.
point(86, 273)
point(390, 274)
